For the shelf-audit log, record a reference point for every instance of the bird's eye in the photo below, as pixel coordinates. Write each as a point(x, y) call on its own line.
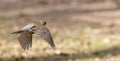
point(44, 23)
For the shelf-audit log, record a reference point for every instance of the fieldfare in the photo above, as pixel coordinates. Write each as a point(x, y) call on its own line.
point(37, 28)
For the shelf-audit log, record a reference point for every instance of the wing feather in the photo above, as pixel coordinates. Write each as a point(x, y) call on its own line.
point(44, 33)
point(25, 39)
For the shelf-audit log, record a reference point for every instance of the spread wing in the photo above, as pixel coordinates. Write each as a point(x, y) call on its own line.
point(25, 39)
point(44, 33)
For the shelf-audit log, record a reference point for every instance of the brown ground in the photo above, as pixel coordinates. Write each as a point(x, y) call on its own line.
point(85, 30)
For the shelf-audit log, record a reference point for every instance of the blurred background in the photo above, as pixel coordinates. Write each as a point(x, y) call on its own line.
point(83, 30)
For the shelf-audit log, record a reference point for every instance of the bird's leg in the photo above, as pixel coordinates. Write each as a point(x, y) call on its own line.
point(31, 30)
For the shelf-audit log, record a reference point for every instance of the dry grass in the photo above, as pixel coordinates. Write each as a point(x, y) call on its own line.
point(86, 33)
point(77, 42)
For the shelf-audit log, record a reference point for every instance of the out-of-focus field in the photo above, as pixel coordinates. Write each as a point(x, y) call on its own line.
point(82, 31)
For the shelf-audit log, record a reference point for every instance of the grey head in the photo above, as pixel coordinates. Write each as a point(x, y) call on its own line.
point(43, 22)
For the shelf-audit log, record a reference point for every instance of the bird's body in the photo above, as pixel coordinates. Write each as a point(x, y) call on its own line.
point(37, 28)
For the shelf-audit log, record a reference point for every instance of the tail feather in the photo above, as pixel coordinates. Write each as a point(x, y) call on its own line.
point(17, 32)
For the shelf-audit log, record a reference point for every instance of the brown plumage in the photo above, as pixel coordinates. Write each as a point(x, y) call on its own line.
point(37, 28)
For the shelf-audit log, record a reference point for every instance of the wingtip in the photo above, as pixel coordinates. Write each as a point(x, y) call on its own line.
point(17, 32)
point(54, 47)
point(12, 33)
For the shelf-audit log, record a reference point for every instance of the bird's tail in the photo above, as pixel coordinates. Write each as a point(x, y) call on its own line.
point(17, 32)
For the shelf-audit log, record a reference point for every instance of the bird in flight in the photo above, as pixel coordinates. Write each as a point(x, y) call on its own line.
point(38, 28)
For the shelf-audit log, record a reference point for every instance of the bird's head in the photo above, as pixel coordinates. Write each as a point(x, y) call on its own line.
point(43, 22)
